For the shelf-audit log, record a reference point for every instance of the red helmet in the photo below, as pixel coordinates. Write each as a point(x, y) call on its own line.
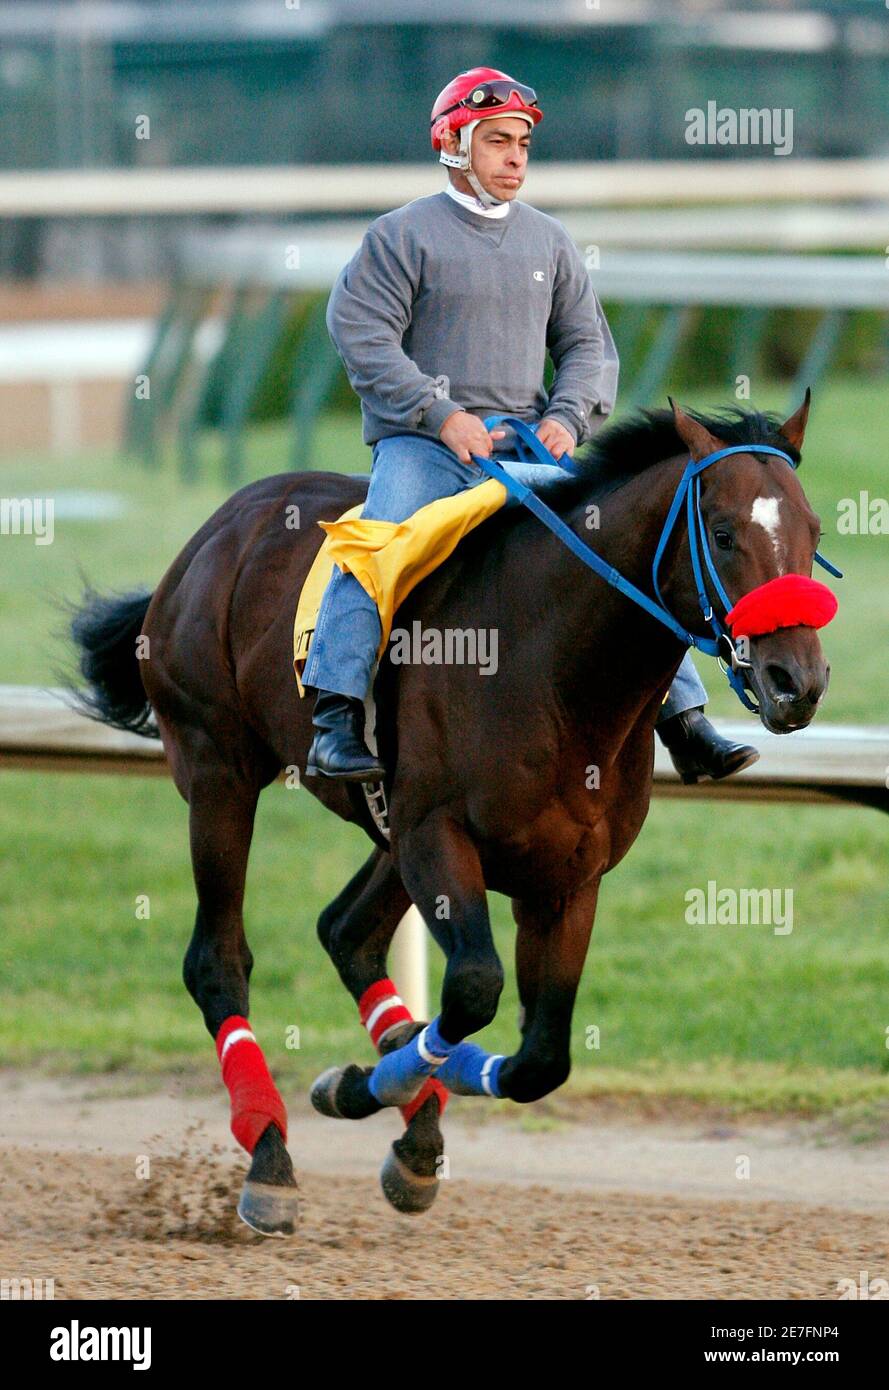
point(478, 93)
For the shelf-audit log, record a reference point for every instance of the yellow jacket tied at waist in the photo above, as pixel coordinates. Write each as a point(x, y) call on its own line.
point(389, 558)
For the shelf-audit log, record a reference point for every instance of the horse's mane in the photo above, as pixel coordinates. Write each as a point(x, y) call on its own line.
point(622, 450)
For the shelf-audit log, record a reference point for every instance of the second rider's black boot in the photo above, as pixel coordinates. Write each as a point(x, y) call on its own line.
point(698, 750)
point(338, 748)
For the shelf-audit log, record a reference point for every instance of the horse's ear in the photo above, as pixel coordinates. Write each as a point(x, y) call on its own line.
point(699, 441)
point(794, 429)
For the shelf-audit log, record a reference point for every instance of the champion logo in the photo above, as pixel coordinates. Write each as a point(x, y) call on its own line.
point(539, 275)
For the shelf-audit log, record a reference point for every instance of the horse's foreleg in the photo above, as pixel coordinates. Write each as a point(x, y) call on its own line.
point(551, 948)
point(356, 930)
point(550, 952)
point(217, 971)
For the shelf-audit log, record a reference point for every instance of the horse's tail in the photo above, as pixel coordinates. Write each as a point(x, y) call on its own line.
point(105, 629)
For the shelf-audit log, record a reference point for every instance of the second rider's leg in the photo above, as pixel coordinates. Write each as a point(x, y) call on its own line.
point(695, 746)
point(408, 472)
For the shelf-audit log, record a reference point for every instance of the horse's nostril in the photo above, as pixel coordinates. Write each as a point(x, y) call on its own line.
point(781, 681)
point(816, 691)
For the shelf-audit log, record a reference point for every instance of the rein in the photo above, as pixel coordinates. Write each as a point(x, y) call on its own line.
point(791, 599)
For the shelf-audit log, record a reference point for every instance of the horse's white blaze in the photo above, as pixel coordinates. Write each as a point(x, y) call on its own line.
point(765, 513)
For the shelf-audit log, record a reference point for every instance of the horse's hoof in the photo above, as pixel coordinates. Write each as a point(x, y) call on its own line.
point(272, 1211)
point(342, 1093)
point(407, 1191)
point(323, 1092)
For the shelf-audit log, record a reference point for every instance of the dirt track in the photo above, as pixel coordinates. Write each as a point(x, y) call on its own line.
point(544, 1208)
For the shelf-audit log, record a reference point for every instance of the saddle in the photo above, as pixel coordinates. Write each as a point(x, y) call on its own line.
point(388, 558)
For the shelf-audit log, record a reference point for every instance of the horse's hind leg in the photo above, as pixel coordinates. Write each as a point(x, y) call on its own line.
point(356, 930)
point(217, 969)
point(435, 854)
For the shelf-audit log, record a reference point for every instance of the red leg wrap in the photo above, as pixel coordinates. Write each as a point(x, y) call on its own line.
point(256, 1102)
point(431, 1088)
point(381, 1009)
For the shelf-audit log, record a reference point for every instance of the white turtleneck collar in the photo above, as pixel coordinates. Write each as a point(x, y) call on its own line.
point(472, 203)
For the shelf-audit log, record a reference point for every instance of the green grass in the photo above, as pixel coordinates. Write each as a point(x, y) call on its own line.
point(732, 1014)
point(162, 513)
point(701, 1011)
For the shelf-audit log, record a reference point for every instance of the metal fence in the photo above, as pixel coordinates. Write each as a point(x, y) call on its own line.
point(267, 294)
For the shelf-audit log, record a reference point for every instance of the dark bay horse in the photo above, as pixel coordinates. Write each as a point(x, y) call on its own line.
point(489, 781)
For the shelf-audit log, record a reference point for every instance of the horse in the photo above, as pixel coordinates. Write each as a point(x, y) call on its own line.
point(488, 781)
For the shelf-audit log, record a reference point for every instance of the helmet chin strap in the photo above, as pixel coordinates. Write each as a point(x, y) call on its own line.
point(463, 161)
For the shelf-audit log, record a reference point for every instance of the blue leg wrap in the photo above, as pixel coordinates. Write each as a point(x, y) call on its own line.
point(398, 1076)
point(471, 1071)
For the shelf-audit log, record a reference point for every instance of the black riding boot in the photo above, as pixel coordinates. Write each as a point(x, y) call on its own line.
point(338, 748)
point(698, 750)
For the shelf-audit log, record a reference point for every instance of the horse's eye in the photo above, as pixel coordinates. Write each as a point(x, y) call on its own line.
point(723, 540)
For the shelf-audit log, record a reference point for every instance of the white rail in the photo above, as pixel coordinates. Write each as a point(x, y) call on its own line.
point(290, 188)
point(38, 729)
point(299, 257)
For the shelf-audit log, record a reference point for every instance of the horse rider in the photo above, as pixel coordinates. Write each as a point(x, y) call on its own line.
point(444, 316)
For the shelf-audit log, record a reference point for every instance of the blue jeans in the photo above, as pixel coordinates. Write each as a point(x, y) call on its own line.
point(408, 472)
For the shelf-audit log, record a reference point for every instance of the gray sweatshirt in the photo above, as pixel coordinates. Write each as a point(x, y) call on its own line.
point(441, 309)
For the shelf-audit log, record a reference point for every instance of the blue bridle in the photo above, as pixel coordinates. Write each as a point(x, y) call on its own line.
point(687, 495)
